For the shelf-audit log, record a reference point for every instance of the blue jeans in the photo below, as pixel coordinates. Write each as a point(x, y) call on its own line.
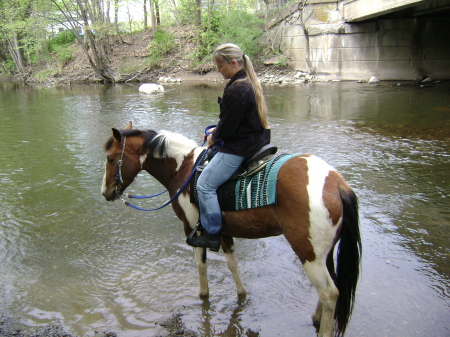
point(218, 171)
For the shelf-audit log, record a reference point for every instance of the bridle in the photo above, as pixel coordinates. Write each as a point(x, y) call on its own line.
point(119, 183)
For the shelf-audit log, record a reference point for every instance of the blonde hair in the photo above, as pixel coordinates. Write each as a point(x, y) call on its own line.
point(228, 52)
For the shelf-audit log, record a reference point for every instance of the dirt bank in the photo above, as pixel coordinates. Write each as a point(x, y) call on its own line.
point(130, 61)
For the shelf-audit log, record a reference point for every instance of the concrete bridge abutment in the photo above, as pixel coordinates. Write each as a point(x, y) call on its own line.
point(404, 42)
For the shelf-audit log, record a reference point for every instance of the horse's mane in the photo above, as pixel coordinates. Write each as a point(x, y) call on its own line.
point(160, 145)
point(168, 144)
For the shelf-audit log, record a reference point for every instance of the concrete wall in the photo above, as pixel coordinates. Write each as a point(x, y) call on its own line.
point(390, 49)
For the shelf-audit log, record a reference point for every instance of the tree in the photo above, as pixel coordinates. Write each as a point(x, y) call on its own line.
point(13, 19)
point(152, 15)
point(198, 20)
point(98, 34)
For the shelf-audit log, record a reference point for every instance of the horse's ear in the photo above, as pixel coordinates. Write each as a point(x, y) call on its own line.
point(117, 135)
point(129, 126)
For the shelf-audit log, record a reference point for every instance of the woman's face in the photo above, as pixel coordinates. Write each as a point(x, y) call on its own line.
point(228, 70)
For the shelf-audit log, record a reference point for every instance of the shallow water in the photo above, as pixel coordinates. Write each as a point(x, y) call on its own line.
point(68, 256)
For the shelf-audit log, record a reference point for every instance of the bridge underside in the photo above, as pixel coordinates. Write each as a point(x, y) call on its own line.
point(362, 10)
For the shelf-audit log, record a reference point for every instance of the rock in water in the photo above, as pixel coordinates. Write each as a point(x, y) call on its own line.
point(151, 88)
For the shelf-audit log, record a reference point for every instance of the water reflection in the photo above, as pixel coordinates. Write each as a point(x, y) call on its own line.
point(68, 256)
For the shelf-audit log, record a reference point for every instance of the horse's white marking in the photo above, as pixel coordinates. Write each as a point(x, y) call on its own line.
point(328, 293)
point(197, 152)
point(189, 209)
point(232, 265)
point(104, 188)
point(202, 268)
point(142, 159)
point(321, 228)
point(178, 146)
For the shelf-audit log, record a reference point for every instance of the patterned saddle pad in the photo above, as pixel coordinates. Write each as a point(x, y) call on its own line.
point(256, 190)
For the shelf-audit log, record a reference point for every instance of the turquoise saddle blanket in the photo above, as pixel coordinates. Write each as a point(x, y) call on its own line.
point(248, 192)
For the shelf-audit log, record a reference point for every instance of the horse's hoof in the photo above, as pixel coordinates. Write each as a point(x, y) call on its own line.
point(203, 296)
point(242, 296)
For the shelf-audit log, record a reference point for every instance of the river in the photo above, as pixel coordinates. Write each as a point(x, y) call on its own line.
point(69, 257)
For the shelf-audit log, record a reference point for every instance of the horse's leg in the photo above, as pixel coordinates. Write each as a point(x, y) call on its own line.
point(232, 264)
point(319, 276)
point(202, 267)
point(318, 313)
point(314, 248)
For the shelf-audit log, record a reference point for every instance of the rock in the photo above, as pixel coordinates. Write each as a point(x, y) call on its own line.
point(272, 61)
point(151, 88)
point(300, 74)
point(169, 80)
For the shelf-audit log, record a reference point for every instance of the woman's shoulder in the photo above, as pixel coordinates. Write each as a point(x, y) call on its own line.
point(240, 87)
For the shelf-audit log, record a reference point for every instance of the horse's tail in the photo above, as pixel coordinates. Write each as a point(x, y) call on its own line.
point(348, 260)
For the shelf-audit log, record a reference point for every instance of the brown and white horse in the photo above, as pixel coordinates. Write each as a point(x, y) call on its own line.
point(315, 209)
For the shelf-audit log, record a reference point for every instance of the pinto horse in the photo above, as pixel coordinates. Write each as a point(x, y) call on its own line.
point(315, 210)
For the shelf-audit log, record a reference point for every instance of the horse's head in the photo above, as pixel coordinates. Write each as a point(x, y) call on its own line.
point(122, 163)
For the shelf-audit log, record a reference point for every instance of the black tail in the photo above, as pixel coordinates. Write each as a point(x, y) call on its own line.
point(348, 261)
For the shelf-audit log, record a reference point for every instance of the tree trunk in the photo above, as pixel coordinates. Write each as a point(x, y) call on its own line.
point(145, 15)
point(152, 16)
point(158, 16)
point(198, 21)
point(116, 16)
point(99, 46)
point(16, 52)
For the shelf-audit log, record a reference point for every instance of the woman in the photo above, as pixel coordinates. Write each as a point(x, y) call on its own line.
point(241, 131)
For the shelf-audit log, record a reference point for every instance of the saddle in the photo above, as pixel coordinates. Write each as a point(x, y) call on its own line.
point(256, 171)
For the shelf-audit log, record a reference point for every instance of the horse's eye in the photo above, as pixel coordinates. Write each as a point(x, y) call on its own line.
point(110, 160)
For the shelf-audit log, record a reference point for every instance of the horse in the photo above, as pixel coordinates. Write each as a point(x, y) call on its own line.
point(315, 210)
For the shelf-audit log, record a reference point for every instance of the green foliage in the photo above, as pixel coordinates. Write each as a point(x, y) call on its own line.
point(282, 62)
point(163, 43)
point(186, 11)
point(10, 65)
point(63, 54)
point(44, 75)
point(239, 27)
point(62, 39)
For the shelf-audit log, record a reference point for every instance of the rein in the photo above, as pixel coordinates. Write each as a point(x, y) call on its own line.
point(119, 184)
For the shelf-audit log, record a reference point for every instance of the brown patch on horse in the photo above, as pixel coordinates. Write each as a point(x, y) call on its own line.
point(186, 169)
point(331, 198)
point(295, 200)
point(252, 223)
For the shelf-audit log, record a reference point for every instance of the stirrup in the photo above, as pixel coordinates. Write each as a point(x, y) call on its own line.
point(197, 228)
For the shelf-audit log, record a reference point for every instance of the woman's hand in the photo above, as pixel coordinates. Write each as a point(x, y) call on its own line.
point(210, 141)
point(209, 138)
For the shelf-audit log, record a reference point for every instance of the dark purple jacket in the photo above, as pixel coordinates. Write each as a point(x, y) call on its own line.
point(239, 127)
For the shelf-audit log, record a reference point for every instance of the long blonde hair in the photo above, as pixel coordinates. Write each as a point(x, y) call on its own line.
point(228, 52)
